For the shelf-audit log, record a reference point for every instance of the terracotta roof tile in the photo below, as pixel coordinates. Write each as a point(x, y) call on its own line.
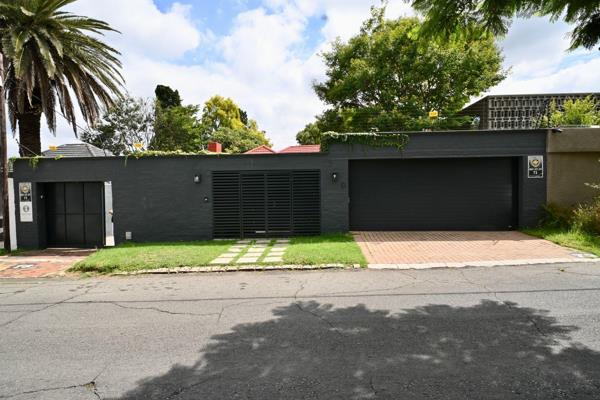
point(261, 150)
point(307, 148)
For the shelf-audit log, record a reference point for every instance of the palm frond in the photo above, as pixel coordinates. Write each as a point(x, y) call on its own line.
point(53, 62)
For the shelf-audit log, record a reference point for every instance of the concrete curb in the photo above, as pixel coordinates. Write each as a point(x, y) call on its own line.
point(484, 263)
point(240, 268)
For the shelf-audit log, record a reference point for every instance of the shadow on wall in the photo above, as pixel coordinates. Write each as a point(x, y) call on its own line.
point(313, 351)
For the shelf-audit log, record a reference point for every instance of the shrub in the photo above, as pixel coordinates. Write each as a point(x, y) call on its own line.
point(586, 217)
point(555, 216)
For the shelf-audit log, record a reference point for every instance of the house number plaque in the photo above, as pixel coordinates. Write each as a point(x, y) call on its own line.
point(535, 166)
point(25, 202)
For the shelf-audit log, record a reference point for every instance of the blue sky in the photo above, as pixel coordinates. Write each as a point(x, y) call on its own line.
point(265, 53)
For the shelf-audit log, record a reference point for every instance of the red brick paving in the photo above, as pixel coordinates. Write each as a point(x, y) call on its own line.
point(455, 247)
point(40, 264)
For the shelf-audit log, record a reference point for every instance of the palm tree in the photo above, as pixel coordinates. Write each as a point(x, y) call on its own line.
point(52, 61)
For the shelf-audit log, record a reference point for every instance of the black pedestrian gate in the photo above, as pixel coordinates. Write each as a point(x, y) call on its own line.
point(266, 203)
point(75, 214)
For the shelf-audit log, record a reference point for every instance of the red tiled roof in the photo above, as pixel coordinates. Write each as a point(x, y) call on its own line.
point(261, 150)
point(307, 148)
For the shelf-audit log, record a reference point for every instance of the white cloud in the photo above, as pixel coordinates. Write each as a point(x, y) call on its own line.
point(536, 50)
point(579, 77)
point(262, 62)
point(144, 28)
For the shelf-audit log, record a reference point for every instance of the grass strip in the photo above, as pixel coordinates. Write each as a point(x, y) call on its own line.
point(132, 256)
point(568, 238)
point(325, 249)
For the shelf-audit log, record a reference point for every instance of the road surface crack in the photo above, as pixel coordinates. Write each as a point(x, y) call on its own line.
point(91, 386)
point(50, 305)
point(160, 310)
point(223, 308)
point(506, 303)
point(314, 314)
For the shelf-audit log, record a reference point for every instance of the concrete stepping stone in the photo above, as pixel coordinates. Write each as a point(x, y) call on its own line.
point(255, 253)
point(244, 241)
point(247, 260)
point(282, 241)
point(273, 259)
point(263, 241)
point(222, 260)
point(229, 255)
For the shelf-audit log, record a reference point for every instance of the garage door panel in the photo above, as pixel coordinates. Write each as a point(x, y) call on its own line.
point(432, 194)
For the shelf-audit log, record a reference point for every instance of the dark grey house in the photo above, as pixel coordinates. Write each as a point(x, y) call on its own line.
point(459, 180)
point(517, 111)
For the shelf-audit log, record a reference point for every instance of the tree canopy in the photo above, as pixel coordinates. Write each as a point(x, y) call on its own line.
point(387, 79)
point(447, 17)
point(167, 97)
point(52, 62)
point(187, 128)
point(223, 121)
point(126, 127)
point(573, 112)
point(178, 128)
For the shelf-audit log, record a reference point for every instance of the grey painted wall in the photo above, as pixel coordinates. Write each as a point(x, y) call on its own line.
point(156, 199)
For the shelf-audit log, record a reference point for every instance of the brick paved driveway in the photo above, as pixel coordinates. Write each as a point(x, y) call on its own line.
point(39, 264)
point(457, 248)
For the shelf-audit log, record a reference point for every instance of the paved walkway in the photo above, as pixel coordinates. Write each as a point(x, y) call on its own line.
point(456, 249)
point(40, 264)
point(249, 251)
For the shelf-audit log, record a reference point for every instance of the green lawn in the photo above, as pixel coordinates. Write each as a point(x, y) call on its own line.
point(574, 239)
point(136, 256)
point(127, 257)
point(325, 249)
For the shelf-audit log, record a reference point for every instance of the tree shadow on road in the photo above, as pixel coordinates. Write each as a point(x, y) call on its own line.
point(315, 351)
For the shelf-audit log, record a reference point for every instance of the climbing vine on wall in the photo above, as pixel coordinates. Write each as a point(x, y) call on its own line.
point(373, 139)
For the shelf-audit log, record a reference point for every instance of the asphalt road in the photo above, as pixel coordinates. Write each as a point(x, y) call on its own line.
point(481, 333)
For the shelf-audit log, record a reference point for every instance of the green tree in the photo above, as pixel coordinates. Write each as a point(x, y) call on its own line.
point(311, 134)
point(387, 79)
point(220, 112)
point(239, 140)
point(447, 17)
point(129, 122)
point(224, 122)
point(178, 128)
point(574, 112)
point(167, 97)
point(52, 61)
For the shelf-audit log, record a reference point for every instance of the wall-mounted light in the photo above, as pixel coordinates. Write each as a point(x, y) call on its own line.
point(197, 178)
point(334, 176)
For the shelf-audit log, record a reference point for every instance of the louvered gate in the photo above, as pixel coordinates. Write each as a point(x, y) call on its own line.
point(266, 203)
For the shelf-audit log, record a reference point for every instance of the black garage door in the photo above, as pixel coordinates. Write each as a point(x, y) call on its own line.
point(266, 203)
point(75, 214)
point(433, 194)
